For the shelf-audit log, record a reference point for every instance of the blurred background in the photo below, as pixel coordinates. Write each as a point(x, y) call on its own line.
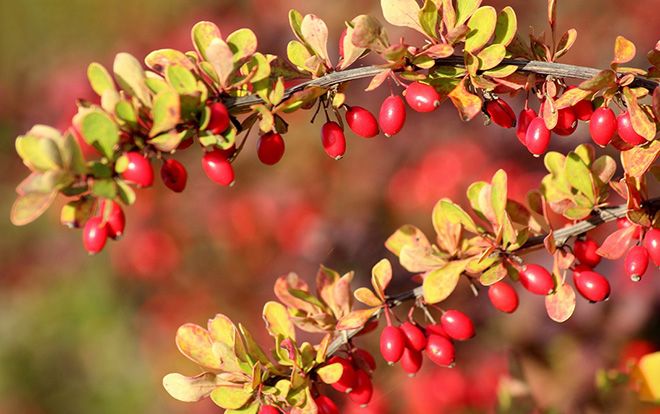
point(81, 334)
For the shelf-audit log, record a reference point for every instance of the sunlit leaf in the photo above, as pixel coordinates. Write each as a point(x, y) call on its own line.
point(638, 118)
point(366, 296)
point(402, 13)
point(356, 319)
point(381, 276)
point(482, 27)
point(315, 34)
point(624, 50)
point(29, 207)
point(195, 343)
point(130, 76)
point(277, 320)
point(189, 389)
point(638, 160)
point(231, 397)
point(330, 373)
point(560, 304)
point(616, 244)
point(467, 104)
point(100, 130)
point(440, 283)
point(166, 112)
point(506, 26)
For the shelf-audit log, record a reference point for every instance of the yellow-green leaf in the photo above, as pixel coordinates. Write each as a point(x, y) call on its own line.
point(464, 9)
point(195, 343)
point(445, 209)
point(277, 320)
point(491, 56)
point(166, 112)
point(231, 397)
point(482, 26)
point(579, 176)
point(646, 376)
point(440, 283)
point(498, 195)
point(243, 44)
point(330, 373)
point(506, 26)
point(356, 319)
point(100, 130)
point(203, 33)
point(130, 76)
point(222, 329)
point(428, 18)
point(407, 234)
point(99, 78)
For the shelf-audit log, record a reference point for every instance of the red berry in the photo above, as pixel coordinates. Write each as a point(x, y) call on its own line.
point(583, 110)
point(440, 350)
point(363, 390)
point(652, 245)
point(458, 325)
point(325, 405)
point(139, 170)
point(115, 219)
point(602, 126)
point(626, 130)
point(537, 279)
point(524, 119)
point(566, 122)
point(636, 262)
point(501, 113)
point(415, 338)
point(411, 361)
point(362, 122)
point(270, 148)
point(503, 297)
point(333, 140)
point(436, 329)
point(392, 115)
point(585, 252)
point(95, 234)
point(347, 380)
point(422, 97)
point(537, 137)
point(219, 120)
point(218, 168)
point(366, 357)
point(623, 223)
point(268, 409)
point(592, 286)
point(174, 175)
point(392, 344)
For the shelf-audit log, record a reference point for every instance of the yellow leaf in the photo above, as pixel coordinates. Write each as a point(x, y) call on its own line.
point(440, 283)
point(330, 373)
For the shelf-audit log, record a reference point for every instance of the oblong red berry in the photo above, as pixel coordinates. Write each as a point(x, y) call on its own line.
point(422, 97)
point(268, 409)
point(440, 350)
point(415, 338)
point(623, 223)
point(174, 175)
point(270, 148)
point(602, 126)
point(95, 235)
point(566, 122)
point(219, 120)
point(365, 357)
point(652, 245)
point(411, 361)
point(503, 297)
point(524, 119)
point(362, 122)
point(364, 389)
point(325, 405)
point(218, 168)
point(347, 380)
point(537, 137)
point(458, 325)
point(537, 279)
point(138, 170)
point(626, 131)
point(585, 252)
point(435, 329)
point(636, 262)
point(392, 344)
point(115, 219)
point(501, 113)
point(583, 110)
point(591, 285)
point(333, 140)
point(392, 115)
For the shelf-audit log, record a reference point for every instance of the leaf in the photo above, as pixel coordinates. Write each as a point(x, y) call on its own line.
point(638, 160)
point(624, 50)
point(220, 56)
point(428, 18)
point(571, 97)
point(195, 343)
point(445, 209)
point(505, 27)
point(482, 26)
point(498, 195)
point(381, 276)
point(330, 373)
point(491, 56)
point(464, 9)
point(378, 80)
point(29, 207)
point(222, 330)
point(579, 176)
point(315, 33)
point(616, 244)
point(646, 377)
point(550, 113)
point(402, 13)
point(356, 319)
point(203, 33)
point(439, 51)
point(420, 259)
point(493, 275)
point(38, 153)
point(243, 44)
point(366, 296)
point(640, 121)
point(100, 130)
point(166, 112)
point(277, 320)
point(351, 51)
point(440, 283)
point(297, 54)
point(467, 104)
point(130, 77)
point(231, 397)
point(407, 234)
point(162, 59)
point(189, 389)
point(560, 305)
point(565, 43)
point(603, 79)
point(99, 78)
point(181, 79)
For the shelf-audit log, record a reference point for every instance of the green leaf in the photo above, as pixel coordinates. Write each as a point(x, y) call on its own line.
point(465, 9)
point(498, 195)
point(166, 112)
point(168, 141)
point(231, 397)
point(579, 176)
point(482, 26)
point(100, 130)
point(130, 77)
point(181, 79)
point(104, 188)
point(315, 33)
point(253, 408)
point(428, 18)
point(491, 56)
point(161, 60)
point(125, 111)
point(38, 153)
point(493, 275)
point(560, 305)
point(297, 54)
point(125, 192)
point(403, 13)
point(277, 320)
point(203, 33)
point(440, 283)
point(99, 78)
point(506, 26)
point(295, 21)
point(190, 389)
point(263, 67)
point(29, 207)
point(447, 210)
point(330, 373)
point(243, 44)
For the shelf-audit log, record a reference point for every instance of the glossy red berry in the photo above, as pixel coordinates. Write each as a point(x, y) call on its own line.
point(138, 170)
point(435, 329)
point(585, 252)
point(652, 245)
point(602, 126)
point(219, 120)
point(583, 110)
point(458, 325)
point(566, 122)
point(333, 140)
point(347, 380)
point(440, 350)
point(392, 344)
point(411, 361)
point(503, 297)
point(115, 219)
point(95, 234)
point(392, 115)
point(537, 279)
point(501, 113)
point(623, 223)
point(268, 409)
point(524, 119)
point(270, 148)
point(174, 175)
point(415, 338)
point(218, 168)
point(362, 122)
point(325, 405)
point(626, 130)
point(537, 137)
point(364, 389)
point(636, 262)
point(422, 97)
point(365, 357)
point(591, 285)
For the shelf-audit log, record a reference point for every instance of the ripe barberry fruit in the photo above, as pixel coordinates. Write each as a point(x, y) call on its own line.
point(583, 110)
point(591, 285)
point(636, 263)
point(392, 115)
point(503, 297)
point(270, 148)
point(422, 97)
point(365, 357)
point(392, 344)
point(440, 350)
point(219, 120)
point(537, 137)
point(623, 223)
point(363, 390)
point(566, 122)
point(501, 113)
point(347, 380)
point(268, 409)
point(458, 325)
point(362, 122)
point(174, 175)
point(95, 234)
point(602, 126)
point(411, 361)
point(435, 329)
point(218, 168)
point(585, 252)
point(524, 119)
point(115, 219)
point(626, 131)
point(537, 279)
point(333, 140)
point(325, 405)
point(652, 245)
point(415, 338)
point(138, 170)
